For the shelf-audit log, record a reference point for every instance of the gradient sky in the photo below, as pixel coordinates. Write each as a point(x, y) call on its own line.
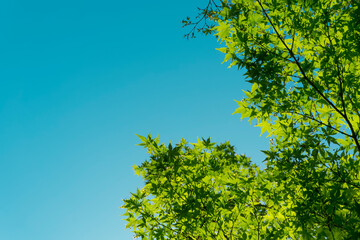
point(78, 80)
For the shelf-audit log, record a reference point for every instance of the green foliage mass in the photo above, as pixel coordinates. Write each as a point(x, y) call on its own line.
point(302, 59)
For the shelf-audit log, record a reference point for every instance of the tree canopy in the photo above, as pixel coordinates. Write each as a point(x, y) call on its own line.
point(302, 59)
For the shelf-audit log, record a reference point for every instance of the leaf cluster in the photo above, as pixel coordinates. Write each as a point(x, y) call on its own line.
point(205, 191)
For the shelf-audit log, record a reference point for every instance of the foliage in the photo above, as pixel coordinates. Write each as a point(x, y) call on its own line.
point(204, 191)
point(302, 59)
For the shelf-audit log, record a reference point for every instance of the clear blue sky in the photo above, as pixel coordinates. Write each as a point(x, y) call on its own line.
point(78, 80)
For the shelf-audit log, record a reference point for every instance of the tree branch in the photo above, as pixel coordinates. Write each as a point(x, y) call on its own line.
point(298, 64)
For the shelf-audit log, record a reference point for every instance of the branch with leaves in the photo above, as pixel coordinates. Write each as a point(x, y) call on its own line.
point(302, 59)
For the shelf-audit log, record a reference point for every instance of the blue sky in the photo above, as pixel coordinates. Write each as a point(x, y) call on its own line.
point(78, 80)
